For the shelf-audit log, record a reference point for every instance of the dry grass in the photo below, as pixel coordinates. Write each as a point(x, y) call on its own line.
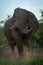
point(7, 54)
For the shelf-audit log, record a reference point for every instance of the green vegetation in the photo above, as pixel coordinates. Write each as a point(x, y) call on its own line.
point(31, 61)
point(3, 40)
point(38, 37)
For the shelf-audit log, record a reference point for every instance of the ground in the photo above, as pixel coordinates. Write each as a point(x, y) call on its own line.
point(7, 54)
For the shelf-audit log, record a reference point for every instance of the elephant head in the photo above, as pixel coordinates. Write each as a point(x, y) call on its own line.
point(25, 21)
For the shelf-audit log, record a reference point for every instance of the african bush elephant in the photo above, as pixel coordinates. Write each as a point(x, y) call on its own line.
point(22, 24)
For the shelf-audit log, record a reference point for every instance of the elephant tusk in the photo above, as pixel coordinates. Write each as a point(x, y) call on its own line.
point(11, 27)
point(16, 24)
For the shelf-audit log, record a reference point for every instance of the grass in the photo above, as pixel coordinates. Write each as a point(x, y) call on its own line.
point(31, 61)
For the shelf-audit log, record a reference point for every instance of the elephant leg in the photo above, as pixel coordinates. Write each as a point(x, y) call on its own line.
point(17, 36)
point(20, 50)
point(20, 47)
point(11, 42)
point(29, 42)
point(11, 45)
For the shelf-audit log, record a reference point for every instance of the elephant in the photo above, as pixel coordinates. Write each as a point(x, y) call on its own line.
point(19, 27)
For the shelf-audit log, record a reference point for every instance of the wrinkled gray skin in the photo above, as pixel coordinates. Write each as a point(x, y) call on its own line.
point(19, 27)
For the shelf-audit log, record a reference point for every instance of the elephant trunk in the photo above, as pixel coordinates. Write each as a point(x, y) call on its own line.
point(26, 31)
point(21, 27)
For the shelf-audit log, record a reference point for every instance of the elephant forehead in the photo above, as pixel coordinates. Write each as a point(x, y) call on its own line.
point(19, 14)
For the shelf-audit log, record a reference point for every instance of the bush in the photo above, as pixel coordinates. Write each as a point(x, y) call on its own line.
point(38, 37)
point(3, 40)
